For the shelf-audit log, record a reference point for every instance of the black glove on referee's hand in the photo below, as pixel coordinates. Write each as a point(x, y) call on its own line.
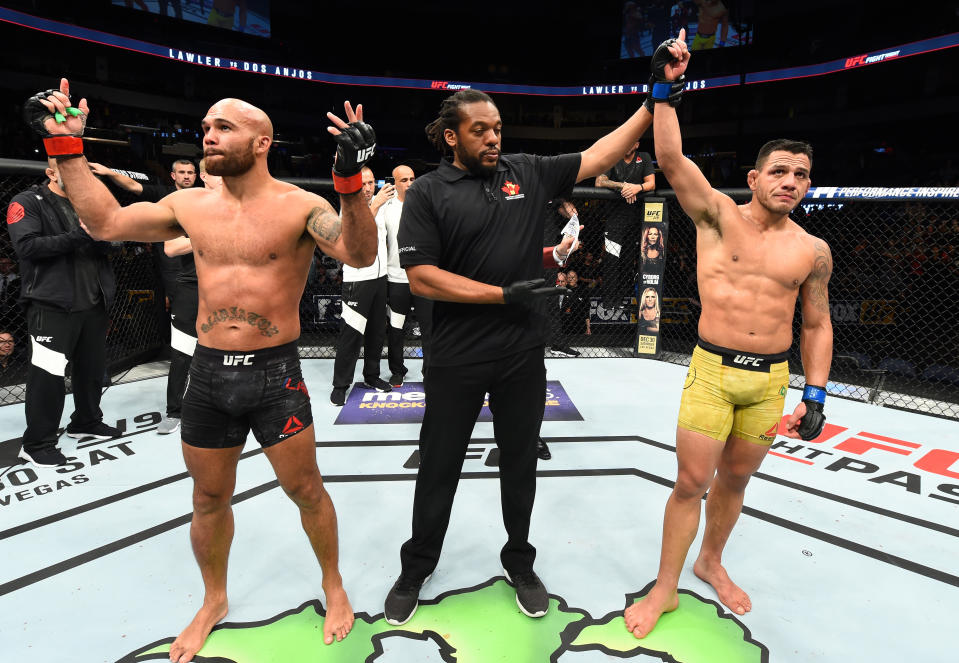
point(523, 291)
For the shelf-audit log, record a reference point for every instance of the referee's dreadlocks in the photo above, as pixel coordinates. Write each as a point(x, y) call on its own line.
point(449, 117)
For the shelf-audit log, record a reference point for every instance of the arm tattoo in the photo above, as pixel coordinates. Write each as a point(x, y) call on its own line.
point(266, 327)
point(324, 223)
point(819, 277)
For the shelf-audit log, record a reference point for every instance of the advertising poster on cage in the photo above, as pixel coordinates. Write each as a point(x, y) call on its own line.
point(652, 268)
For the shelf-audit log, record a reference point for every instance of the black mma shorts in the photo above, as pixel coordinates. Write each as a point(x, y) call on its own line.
point(229, 392)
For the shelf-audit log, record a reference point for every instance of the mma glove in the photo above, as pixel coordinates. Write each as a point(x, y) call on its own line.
point(660, 88)
point(812, 423)
point(355, 144)
point(520, 292)
point(58, 146)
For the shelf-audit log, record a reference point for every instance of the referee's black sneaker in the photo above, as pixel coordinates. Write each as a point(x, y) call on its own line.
point(377, 383)
point(531, 595)
point(48, 456)
point(396, 380)
point(542, 450)
point(403, 599)
point(338, 396)
point(100, 431)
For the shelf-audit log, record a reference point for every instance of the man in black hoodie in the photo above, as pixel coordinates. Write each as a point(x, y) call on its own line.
point(67, 289)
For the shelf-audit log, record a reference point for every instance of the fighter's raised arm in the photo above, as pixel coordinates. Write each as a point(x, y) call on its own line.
point(61, 126)
point(695, 194)
point(351, 237)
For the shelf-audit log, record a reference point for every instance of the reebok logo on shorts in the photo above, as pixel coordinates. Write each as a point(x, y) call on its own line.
point(293, 425)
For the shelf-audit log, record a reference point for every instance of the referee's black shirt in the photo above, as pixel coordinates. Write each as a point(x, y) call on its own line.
point(489, 230)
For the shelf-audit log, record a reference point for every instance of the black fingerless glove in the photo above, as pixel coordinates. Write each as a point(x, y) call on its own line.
point(36, 114)
point(523, 291)
point(812, 423)
point(660, 88)
point(355, 144)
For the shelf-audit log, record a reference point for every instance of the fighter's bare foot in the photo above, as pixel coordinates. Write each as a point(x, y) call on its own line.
point(641, 617)
point(191, 640)
point(339, 615)
point(729, 593)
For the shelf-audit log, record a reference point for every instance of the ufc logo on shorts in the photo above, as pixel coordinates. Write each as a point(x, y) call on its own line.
point(746, 360)
point(365, 154)
point(238, 360)
point(43, 339)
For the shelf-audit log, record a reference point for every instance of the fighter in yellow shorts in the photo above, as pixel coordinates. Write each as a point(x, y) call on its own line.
point(729, 393)
point(753, 263)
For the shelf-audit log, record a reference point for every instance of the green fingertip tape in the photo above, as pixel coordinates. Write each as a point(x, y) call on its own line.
point(59, 118)
point(74, 111)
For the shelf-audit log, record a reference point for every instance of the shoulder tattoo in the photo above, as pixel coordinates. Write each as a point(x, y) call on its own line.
point(324, 223)
point(819, 276)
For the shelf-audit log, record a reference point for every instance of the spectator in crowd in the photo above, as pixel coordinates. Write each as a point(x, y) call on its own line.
point(559, 325)
point(590, 271)
point(575, 307)
point(12, 369)
point(632, 177)
point(69, 289)
point(363, 318)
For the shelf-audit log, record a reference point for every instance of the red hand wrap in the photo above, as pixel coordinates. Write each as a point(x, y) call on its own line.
point(63, 146)
point(350, 184)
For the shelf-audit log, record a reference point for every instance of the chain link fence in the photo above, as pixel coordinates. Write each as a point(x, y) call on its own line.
point(895, 268)
point(138, 328)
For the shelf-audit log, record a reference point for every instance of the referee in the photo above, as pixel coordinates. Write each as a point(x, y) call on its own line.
point(471, 238)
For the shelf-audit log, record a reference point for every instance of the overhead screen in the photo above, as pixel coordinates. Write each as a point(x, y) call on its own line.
point(709, 24)
point(246, 16)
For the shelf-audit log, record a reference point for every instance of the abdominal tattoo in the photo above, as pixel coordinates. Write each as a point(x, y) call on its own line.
point(324, 223)
point(266, 327)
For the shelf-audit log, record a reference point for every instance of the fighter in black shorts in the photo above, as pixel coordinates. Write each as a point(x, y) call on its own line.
point(253, 240)
point(228, 393)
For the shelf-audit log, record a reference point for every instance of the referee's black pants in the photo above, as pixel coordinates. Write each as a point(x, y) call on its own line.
point(56, 337)
point(454, 396)
point(183, 312)
point(363, 325)
point(400, 301)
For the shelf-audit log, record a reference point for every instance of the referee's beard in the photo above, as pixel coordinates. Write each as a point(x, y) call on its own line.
point(474, 163)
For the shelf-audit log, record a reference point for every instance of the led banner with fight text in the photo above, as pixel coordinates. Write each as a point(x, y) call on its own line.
point(652, 254)
point(185, 54)
point(883, 193)
point(855, 61)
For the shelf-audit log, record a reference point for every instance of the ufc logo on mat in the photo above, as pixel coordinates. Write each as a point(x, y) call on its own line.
point(746, 360)
point(363, 155)
point(43, 339)
point(238, 360)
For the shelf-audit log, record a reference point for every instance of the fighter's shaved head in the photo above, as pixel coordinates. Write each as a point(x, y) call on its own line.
point(242, 113)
